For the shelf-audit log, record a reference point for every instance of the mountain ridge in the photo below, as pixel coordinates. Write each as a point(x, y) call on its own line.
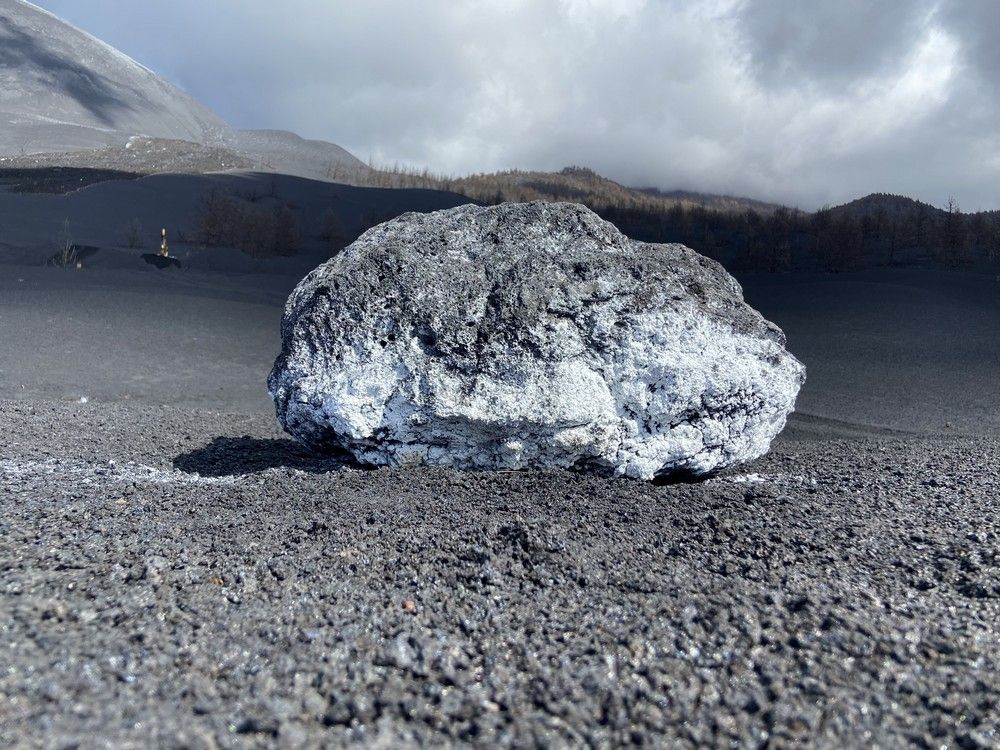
point(115, 114)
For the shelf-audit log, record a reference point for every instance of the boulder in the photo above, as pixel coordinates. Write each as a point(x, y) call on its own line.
point(529, 335)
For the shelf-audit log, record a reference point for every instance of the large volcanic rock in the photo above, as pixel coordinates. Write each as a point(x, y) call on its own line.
point(529, 335)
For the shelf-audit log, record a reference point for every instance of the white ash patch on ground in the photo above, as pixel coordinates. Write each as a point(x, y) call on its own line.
point(85, 473)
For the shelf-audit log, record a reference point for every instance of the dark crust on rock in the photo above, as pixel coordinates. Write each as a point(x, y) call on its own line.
point(520, 293)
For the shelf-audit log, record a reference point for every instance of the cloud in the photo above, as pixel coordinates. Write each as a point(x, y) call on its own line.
point(793, 43)
point(802, 103)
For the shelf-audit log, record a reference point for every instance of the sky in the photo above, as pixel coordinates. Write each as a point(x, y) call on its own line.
point(801, 102)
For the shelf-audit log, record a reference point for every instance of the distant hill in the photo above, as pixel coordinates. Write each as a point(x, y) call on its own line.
point(280, 150)
point(574, 184)
point(728, 203)
point(879, 229)
point(745, 234)
point(895, 229)
point(883, 205)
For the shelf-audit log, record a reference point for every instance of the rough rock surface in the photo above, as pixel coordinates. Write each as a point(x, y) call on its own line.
point(529, 336)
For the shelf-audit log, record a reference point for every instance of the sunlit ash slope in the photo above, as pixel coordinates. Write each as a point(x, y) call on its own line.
point(61, 89)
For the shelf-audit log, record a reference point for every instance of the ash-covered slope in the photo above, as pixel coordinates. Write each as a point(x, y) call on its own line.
point(287, 153)
point(61, 90)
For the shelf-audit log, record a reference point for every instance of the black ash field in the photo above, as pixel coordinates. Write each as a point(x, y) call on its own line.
point(175, 572)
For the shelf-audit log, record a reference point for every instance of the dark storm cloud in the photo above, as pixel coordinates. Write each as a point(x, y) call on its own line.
point(791, 42)
point(806, 103)
point(977, 24)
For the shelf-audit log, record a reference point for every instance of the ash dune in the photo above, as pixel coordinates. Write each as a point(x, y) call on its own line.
point(100, 214)
point(905, 349)
point(206, 336)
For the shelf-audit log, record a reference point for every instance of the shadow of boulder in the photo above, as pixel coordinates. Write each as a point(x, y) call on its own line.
point(161, 261)
point(229, 456)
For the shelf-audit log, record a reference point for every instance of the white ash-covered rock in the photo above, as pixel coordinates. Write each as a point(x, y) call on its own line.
point(530, 335)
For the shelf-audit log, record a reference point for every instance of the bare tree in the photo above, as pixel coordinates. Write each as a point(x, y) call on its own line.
point(225, 221)
point(954, 240)
point(66, 255)
point(133, 235)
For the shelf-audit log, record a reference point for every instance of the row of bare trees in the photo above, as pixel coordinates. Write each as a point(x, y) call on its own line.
point(878, 231)
point(875, 231)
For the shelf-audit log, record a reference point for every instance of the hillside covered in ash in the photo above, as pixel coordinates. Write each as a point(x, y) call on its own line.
point(69, 99)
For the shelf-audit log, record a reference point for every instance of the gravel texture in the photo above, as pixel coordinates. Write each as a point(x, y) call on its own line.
point(191, 578)
point(138, 156)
